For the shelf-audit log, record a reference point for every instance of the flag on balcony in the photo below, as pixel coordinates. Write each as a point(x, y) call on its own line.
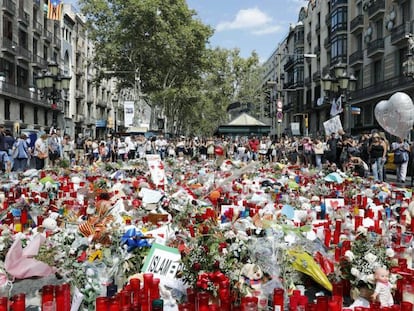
point(336, 106)
point(54, 10)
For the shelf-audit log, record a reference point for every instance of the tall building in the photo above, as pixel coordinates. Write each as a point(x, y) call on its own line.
point(58, 51)
point(361, 41)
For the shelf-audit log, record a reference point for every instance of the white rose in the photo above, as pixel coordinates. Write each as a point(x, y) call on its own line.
point(90, 272)
point(349, 255)
point(355, 272)
point(390, 252)
point(370, 258)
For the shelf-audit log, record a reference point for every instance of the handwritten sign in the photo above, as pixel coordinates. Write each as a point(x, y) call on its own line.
point(163, 261)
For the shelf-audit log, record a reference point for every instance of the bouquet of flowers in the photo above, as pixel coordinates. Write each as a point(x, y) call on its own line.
point(368, 252)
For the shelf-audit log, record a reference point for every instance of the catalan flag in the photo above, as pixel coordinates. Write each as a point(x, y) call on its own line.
point(54, 9)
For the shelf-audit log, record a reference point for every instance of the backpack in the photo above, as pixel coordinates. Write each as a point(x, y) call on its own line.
point(400, 156)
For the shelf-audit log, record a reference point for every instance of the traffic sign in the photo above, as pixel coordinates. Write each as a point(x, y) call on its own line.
point(279, 116)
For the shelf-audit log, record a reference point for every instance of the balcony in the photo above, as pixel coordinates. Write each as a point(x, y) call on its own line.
point(22, 93)
point(79, 94)
point(375, 48)
point(47, 35)
point(376, 9)
point(23, 54)
point(9, 6)
point(38, 61)
point(400, 33)
point(386, 86)
point(8, 46)
point(37, 27)
point(357, 24)
point(24, 18)
point(356, 58)
point(57, 42)
point(316, 76)
point(289, 63)
point(79, 118)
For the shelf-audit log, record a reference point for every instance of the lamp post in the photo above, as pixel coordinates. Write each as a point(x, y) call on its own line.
point(340, 84)
point(52, 83)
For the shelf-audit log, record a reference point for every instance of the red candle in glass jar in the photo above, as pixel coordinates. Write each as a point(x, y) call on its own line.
point(4, 303)
point(19, 302)
point(48, 294)
point(101, 304)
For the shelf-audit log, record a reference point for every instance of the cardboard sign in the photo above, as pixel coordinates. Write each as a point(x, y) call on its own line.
point(163, 261)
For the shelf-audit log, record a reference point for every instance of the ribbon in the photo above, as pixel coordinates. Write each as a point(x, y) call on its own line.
point(134, 239)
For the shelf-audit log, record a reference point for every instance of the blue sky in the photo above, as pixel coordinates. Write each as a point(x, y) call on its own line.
point(247, 24)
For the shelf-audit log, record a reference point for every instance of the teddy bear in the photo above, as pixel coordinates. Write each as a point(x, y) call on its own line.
point(251, 276)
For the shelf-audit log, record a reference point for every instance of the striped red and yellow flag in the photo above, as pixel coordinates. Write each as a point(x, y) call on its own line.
point(54, 10)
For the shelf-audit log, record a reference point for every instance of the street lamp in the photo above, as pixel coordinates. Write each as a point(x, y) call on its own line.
point(51, 82)
point(339, 84)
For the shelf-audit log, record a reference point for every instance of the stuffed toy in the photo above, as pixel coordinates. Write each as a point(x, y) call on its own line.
point(251, 276)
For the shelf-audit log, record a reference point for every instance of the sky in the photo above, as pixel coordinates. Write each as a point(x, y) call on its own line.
point(249, 25)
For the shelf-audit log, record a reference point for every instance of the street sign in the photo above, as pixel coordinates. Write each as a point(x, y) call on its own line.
point(279, 116)
point(279, 105)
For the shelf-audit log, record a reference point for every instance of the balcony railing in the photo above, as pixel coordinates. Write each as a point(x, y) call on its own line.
point(47, 35)
point(9, 6)
point(24, 53)
point(378, 88)
point(356, 57)
point(24, 17)
point(37, 27)
point(39, 61)
point(357, 22)
point(375, 47)
point(289, 63)
point(13, 90)
point(375, 8)
point(8, 45)
point(400, 32)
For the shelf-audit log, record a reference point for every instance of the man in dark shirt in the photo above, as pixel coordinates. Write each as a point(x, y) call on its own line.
point(4, 153)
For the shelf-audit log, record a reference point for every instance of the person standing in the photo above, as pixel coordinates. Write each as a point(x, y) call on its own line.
point(401, 146)
point(54, 148)
point(378, 153)
point(4, 153)
point(22, 154)
point(40, 151)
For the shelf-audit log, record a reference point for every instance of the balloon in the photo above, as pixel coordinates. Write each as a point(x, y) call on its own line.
point(396, 115)
point(218, 151)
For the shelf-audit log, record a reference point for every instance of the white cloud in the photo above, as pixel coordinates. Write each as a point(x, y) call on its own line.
point(267, 30)
point(246, 19)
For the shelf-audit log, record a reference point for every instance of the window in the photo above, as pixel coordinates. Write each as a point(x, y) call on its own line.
point(377, 71)
point(339, 19)
point(379, 28)
point(21, 112)
point(339, 48)
point(46, 52)
point(23, 39)
point(22, 77)
point(7, 28)
point(7, 109)
point(400, 58)
point(405, 9)
point(34, 46)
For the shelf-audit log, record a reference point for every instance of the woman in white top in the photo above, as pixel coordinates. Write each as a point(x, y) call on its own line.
point(122, 149)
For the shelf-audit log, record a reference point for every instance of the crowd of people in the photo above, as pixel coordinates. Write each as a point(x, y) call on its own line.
point(364, 156)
